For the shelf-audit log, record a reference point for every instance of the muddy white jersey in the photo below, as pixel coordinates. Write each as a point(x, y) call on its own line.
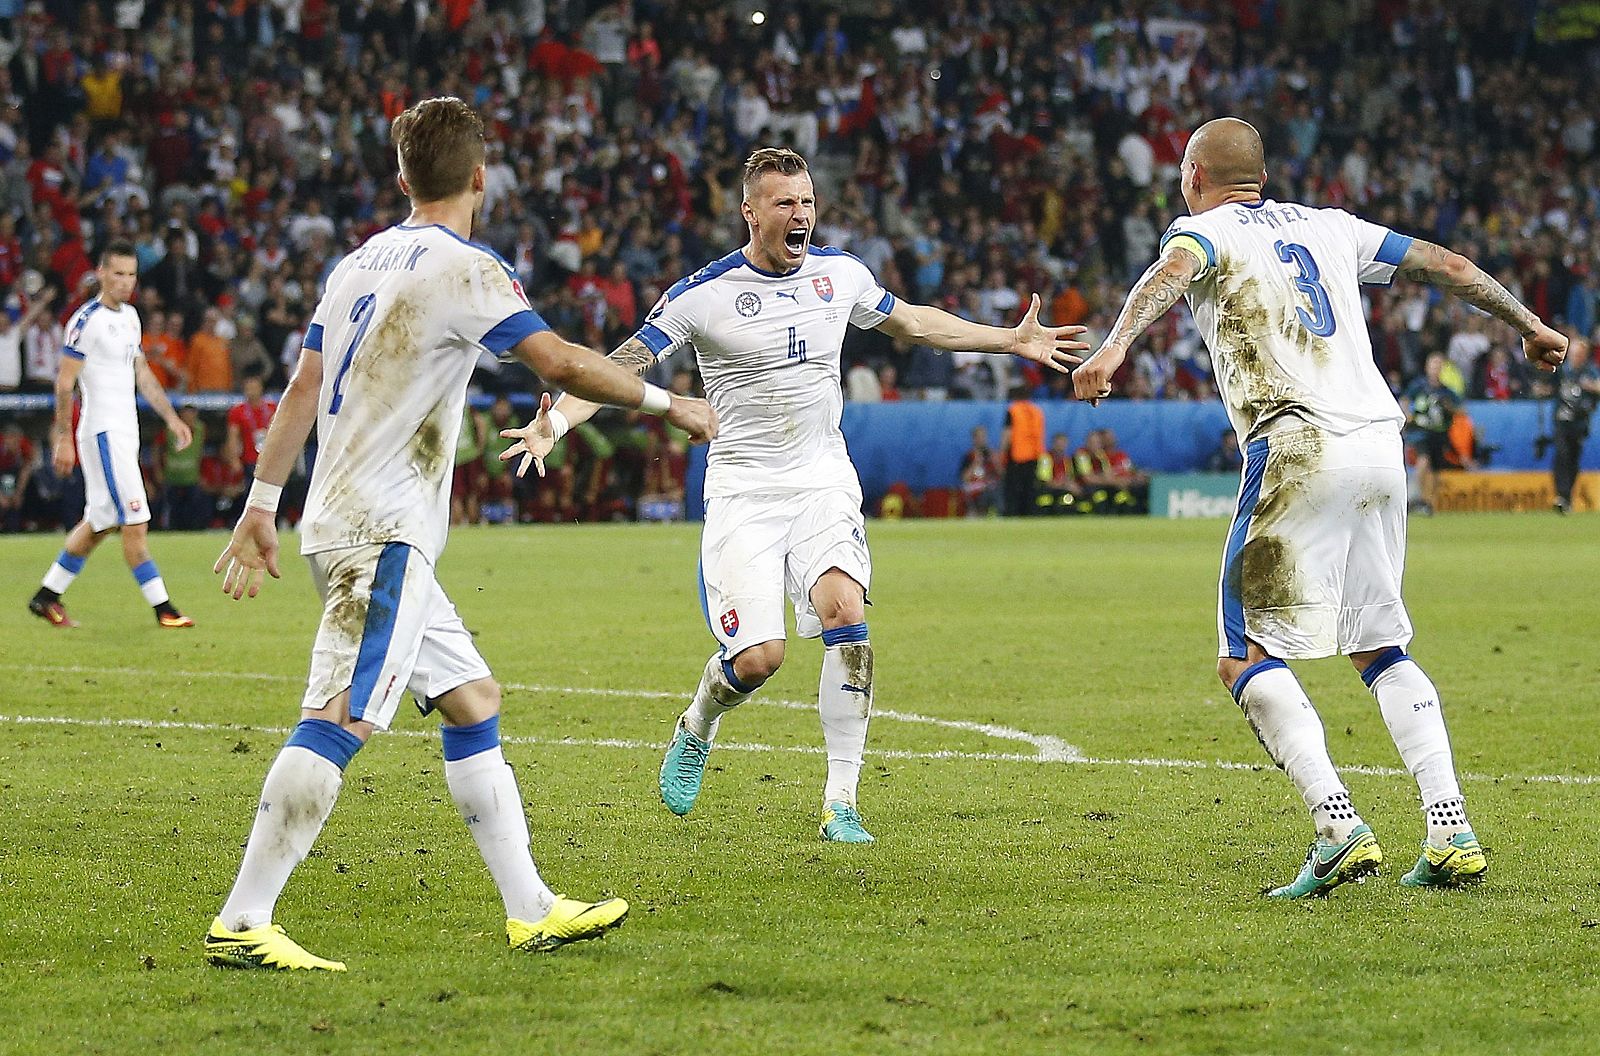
point(106, 340)
point(1278, 302)
point(402, 323)
point(768, 348)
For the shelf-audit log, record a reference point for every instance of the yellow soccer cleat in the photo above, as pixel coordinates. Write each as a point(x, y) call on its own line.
point(568, 921)
point(1461, 861)
point(263, 947)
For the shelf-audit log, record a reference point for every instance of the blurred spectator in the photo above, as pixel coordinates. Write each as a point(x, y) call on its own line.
point(888, 383)
point(1023, 444)
point(665, 466)
point(980, 475)
point(247, 424)
point(184, 506)
point(18, 460)
point(1130, 479)
point(1577, 394)
point(1430, 404)
point(498, 505)
point(210, 365)
point(222, 482)
point(861, 385)
point(248, 357)
point(165, 350)
point(1058, 479)
point(13, 329)
point(466, 487)
point(1227, 457)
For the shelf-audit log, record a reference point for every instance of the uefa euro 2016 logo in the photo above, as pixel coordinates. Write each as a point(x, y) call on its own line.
point(747, 305)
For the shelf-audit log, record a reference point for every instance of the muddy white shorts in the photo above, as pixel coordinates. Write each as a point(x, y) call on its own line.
point(1316, 551)
point(386, 627)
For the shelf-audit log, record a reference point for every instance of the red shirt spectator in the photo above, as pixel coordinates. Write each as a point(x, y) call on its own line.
point(249, 420)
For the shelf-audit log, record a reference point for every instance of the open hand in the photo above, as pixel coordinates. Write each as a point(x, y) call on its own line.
point(1051, 345)
point(533, 441)
point(252, 550)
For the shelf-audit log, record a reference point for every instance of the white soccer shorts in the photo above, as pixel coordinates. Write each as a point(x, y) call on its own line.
point(757, 550)
point(1316, 551)
point(113, 486)
point(387, 626)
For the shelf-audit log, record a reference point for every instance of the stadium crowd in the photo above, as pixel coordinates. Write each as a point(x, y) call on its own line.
point(969, 151)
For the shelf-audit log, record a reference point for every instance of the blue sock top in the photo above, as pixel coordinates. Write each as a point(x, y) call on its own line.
point(463, 742)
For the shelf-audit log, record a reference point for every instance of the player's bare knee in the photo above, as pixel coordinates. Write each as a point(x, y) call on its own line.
point(469, 704)
point(758, 663)
point(839, 600)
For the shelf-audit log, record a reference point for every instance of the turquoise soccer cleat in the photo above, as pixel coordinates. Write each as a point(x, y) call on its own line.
point(842, 824)
point(1461, 861)
point(1329, 864)
point(682, 769)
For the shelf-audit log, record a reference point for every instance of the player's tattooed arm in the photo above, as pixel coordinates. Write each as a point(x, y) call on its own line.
point(633, 355)
point(1426, 262)
point(540, 436)
point(1453, 273)
point(1157, 290)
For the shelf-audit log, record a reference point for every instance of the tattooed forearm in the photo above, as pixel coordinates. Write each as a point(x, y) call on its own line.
point(1157, 290)
point(1453, 273)
point(633, 355)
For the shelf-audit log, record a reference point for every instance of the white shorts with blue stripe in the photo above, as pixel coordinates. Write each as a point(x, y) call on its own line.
point(387, 626)
point(113, 486)
point(758, 550)
point(1316, 551)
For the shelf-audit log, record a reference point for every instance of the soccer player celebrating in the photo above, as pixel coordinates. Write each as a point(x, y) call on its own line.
point(1314, 557)
point(402, 322)
point(102, 358)
point(783, 503)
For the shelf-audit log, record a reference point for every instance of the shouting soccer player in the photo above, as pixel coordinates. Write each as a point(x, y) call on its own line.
point(102, 358)
point(783, 503)
point(1313, 560)
point(403, 320)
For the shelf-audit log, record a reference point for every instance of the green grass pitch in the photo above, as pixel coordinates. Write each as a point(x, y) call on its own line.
point(1015, 902)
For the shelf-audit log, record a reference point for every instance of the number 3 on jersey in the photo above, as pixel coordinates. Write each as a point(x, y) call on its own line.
point(797, 346)
point(361, 315)
point(1320, 319)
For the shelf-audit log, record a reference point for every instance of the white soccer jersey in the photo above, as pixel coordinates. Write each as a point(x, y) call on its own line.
point(400, 327)
point(106, 340)
point(768, 348)
point(1278, 303)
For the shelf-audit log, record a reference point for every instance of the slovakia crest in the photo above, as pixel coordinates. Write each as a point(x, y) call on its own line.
point(135, 506)
point(730, 622)
point(747, 304)
point(824, 287)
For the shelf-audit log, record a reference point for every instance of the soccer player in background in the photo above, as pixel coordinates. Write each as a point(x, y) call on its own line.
point(403, 321)
point(1314, 558)
point(103, 360)
point(783, 503)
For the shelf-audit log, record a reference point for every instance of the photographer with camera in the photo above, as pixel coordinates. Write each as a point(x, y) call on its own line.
point(1577, 393)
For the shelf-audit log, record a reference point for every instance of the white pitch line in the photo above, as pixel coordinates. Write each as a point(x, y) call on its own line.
point(1068, 754)
point(1047, 749)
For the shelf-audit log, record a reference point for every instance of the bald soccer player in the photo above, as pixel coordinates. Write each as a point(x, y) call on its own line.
point(1313, 561)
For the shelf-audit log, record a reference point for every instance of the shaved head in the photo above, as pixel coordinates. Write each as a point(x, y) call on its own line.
point(1230, 152)
point(1223, 162)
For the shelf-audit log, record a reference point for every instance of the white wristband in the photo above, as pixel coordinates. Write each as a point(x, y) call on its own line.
point(656, 400)
point(264, 496)
point(558, 423)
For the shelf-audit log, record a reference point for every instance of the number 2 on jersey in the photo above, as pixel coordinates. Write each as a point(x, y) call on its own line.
point(1320, 319)
point(361, 315)
point(797, 346)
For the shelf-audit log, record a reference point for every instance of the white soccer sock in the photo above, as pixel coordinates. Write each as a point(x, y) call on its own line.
point(1291, 732)
point(62, 572)
point(844, 702)
point(296, 799)
point(1412, 711)
point(714, 697)
point(150, 583)
point(485, 791)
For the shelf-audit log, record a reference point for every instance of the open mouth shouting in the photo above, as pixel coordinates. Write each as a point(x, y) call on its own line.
point(795, 239)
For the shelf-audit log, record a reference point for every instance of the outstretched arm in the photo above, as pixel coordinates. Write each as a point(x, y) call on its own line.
point(1425, 262)
point(591, 380)
point(924, 324)
point(1157, 290)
